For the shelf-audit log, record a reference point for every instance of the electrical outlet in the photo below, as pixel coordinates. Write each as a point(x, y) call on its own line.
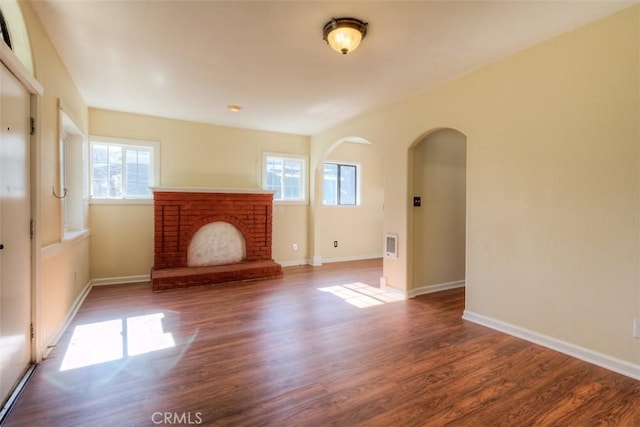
point(636, 328)
point(335, 243)
point(295, 246)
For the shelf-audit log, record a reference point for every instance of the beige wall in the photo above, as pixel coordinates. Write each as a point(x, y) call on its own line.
point(552, 183)
point(191, 154)
point(65, 273)
point(286, 234)
point(194, 154)
point(358, 229)
point(439, 224)
point(121, 241)
point(63, 269)
point(53, 75)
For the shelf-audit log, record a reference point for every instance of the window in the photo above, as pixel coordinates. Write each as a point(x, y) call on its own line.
point(64, 179)
point(285, 176)
point(72, 187)
point(340, 184)
point(123, 169)
point(4, 31)
point(14, 34)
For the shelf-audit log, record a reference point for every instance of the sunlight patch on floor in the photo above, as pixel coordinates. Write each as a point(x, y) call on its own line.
point(110, 340)
point(362, 295)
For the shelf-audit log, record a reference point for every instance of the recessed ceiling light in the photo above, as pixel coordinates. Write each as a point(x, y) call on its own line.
point(234, 108)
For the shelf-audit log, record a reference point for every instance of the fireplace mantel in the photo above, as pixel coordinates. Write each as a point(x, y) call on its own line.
point(211, 190)
point(179, 212)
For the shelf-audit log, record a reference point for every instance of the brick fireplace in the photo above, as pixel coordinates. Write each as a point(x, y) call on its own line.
point(182, 213)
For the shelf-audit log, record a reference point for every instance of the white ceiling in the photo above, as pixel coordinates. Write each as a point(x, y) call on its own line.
point(190, 59)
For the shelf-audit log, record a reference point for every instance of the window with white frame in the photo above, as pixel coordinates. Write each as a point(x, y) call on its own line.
point(340, 184)
point(72, 188)
point(285, 176)
point(123, 169)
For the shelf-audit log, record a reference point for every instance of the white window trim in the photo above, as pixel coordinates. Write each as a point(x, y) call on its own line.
point(358, 183)
point(305, 165)
point(123, 201)
point(68, 128)
point(155, 170)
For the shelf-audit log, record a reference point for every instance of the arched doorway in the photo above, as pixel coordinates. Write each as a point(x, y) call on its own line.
point(439, 215)
point(349, 199)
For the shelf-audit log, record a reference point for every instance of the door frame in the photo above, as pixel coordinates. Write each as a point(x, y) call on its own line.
point(35, 90)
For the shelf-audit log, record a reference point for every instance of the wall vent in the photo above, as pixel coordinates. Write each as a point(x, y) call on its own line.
point(391, 245)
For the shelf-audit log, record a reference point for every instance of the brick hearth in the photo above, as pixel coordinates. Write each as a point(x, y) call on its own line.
point(180, 213)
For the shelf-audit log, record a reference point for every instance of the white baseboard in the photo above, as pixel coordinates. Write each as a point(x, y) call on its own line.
point(294, 262)
point(350, 258)
point(435, 288)
point(122, 280)
point(317, 261)
point(604, 361)
point(53, 341)
point(393, 290)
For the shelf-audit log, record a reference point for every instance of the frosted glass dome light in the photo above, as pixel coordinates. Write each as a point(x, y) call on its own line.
point(344, 34)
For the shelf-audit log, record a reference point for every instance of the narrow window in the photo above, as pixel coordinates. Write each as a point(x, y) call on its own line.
point(72, 188)
point(340, 184)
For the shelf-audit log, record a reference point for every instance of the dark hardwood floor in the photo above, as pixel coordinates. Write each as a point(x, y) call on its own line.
point(283, 352)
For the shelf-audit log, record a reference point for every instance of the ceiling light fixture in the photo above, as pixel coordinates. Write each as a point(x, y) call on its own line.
point(234, 108)
point(344, 34)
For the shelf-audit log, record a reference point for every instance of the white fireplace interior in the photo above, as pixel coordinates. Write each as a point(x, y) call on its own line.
point(216, 243)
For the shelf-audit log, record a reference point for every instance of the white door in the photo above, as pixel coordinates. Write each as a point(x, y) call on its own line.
point(15, 255)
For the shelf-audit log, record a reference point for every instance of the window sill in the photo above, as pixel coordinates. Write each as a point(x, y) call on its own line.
point(70, 239)
point(121, 201)
point(75, 235)
point(290, 202)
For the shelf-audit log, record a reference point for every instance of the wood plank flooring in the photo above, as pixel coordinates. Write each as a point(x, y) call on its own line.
point(283, 352)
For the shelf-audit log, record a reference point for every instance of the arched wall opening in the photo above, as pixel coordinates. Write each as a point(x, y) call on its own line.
point(351, 231)
point(437, 175)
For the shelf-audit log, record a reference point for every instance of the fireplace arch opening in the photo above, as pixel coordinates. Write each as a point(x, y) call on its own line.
point(216, 243)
